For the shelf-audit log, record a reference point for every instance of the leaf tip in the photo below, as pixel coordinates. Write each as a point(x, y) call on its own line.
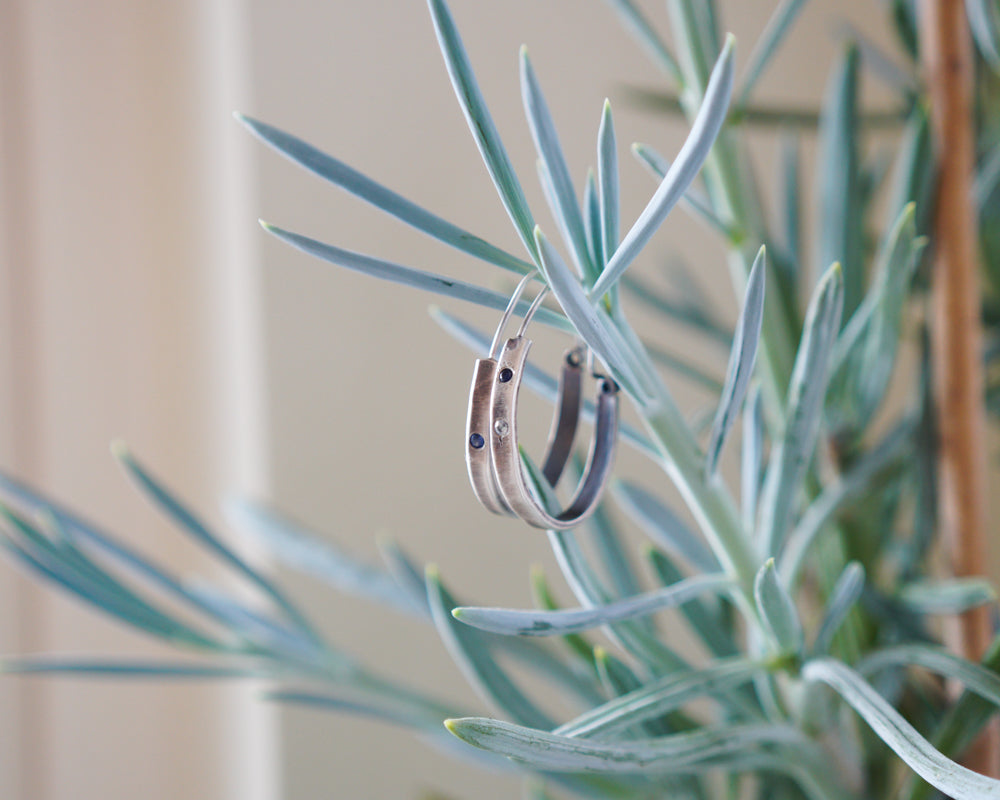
point(120, 450)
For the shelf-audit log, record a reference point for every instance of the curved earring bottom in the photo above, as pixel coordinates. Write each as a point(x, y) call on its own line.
point(480, 433)
point(506, 455)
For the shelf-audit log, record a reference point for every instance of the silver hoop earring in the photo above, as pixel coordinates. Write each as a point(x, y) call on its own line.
point(481, 428)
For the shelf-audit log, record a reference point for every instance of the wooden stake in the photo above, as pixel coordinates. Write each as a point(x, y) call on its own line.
point(946, 54)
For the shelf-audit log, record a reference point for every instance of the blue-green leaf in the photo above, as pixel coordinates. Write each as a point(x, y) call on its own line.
point(984, 20)
point(975, 678)
point(706, 623)
point(768, 44)
point(633, 20)
point(695, 751)
point(751, 456)
point(777, 610)
point(481, 124)
point(837, 494)
point(741, 362)
point(660, 696)
point(951, 778)
point(592, 325)
point(839, 183)
point(467, 649)
point(805, 404)
point(607, 176)
point(543, 132)
point(843, 596)
point(307, 551)
point(631, 635)
point(128, 668)
point(664, 527)
point(194, 527)
point(682, 172)
point(954, 596)
point(695, 201)
point(85, 534)
point(530, 622)
point(413, 278)
point(349, 179)
point(865, 354)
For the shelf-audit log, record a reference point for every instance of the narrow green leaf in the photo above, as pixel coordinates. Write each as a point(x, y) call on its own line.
point(530, 622)
point(843, 596)
point(984, 20)
point(546, 139)
point(658, 166)
point(962, 722)
point(592, 218)
point(768, 44)
point(790, 194)
point(636, 24)
point(877, 61)
point(691, 752)
point(914, 172)
point(664, 694)
point(542, 595)
point(664, 527)
point(349, 179)
point(87, 535)
point(127, 669)
point(631, 635)
point(707, 624)
point(685, 368)
point(951, 778)
point(363, 704)
point(405, 572)
point(954, 596)
point(69, 569)
point(477, 664)
point(838, 494)
point(591, 324)
point(481, 124)
point(865, 354)
point(186, 520)
point(607, 175)
point(741, 362)
point(973, 677)
point(686, 312)
point(751, 456)
point(686, 166)
point(537, 380)
point(791, 457)
point(839, 188)
point(292, 544)
point(777, 610)
point(413, 278)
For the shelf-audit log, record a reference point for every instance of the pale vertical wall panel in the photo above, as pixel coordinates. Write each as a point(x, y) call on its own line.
point(134, 302)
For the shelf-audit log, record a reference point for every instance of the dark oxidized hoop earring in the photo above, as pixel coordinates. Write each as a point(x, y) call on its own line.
point(481, 428)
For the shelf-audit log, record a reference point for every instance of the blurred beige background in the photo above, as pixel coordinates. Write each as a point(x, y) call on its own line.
point(142, 300)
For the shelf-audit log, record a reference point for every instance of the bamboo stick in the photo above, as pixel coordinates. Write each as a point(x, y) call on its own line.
point(946, 54)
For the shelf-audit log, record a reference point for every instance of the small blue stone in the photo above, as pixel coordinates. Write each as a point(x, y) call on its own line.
point(477, 441)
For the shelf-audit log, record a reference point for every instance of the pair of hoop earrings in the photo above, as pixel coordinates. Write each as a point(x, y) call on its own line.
point(491, 446)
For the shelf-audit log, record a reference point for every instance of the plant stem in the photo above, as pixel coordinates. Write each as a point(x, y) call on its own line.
point(956, 337)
